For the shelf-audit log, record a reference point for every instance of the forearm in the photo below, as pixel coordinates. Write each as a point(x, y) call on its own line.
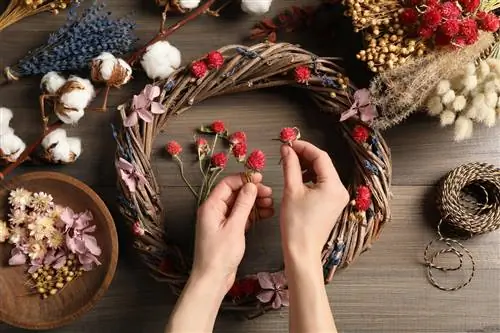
point(197, 307)
point(309, 307)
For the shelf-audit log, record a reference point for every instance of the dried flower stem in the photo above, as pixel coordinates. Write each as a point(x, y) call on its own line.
point(29, 150)
point(164, 33)
point(181, 169)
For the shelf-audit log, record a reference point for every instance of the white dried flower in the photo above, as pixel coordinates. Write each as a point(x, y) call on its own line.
point(17, 235)
point(56, 239)
point(448, 97)
point(17, 217)
point(443, 87)
point(489, 117)
point(483, 69)
point(434, 105)
point(470, 69)
point(41, 202)
point(75, 149)
point(459, 103)
point(160, 60)
point(41, 228)
point(189, 4)
point(52, 82)
point(257, 7)
point(491, 99)
point(471, 112)
point(76, 95)
point(4, 232)
point(447, 118)
point(463, 128)
point(20, 198)
point(36, 249)
point(469, 82)
point(11, 147)
point(5, 118)
point(61, 149)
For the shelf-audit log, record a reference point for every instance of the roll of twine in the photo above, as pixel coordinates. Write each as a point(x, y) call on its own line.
point(469, 202)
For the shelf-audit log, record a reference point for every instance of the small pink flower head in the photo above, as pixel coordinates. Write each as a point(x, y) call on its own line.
point(289, 134)
point(256, 161)
point(202, 145)
point(238, 137)
point(240, 151)
point(137, 229)
point(199, 69)
point(302, 74)
point(174, 148)
point(218, 127)
point(363, 198)
point(219, 160)
point(215, 59)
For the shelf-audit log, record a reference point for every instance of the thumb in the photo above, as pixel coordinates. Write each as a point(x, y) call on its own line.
point(243, 205)
point(291, 168)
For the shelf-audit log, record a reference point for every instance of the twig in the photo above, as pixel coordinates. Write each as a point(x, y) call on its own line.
point(164, 33)
point(29, 150)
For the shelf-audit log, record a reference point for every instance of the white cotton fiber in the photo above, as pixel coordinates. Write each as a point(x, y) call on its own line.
point(75, 146)
point(189, 4)
point(469, 82)
point(470, 68)
point(5, 118)
point(70, 117)
point(494, 65)
point(257, 7)
point(6, 130)
point(54, 137)
point(11, 146)
point(434, 105)
point(127, 68)
point(448, 97)
point(489, 118)
point(463, 128)
point(447, 118)
point(491, 99)
point(160, 60)
point(459, 103)
point(483, 70)
point(471, 112)
point(79, 98)
point(443, 87)
point(51, 82)
point(61, 152)
point(106, 62)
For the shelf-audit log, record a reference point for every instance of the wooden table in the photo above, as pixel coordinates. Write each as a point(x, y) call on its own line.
point(384, 291)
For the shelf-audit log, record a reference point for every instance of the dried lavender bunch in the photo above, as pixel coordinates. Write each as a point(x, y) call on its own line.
point(74, 45)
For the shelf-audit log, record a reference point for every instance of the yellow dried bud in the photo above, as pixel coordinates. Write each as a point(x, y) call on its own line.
point(53, 292)
point(420, 53)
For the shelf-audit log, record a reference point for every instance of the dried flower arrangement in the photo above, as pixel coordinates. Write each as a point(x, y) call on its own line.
point(55, 242)
point(234, 69)
point(20, 9)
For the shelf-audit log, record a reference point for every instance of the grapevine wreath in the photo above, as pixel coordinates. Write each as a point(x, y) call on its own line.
point(234, 69)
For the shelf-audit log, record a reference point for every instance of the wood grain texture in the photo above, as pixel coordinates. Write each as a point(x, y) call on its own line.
point(384, 291)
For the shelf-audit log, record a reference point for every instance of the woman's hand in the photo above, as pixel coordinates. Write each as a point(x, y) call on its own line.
point(220, 230)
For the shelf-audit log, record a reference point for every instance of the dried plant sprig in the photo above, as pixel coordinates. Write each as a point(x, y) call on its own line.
point(20, 9)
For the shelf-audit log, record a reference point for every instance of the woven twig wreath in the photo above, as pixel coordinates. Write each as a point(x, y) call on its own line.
point(245, 69)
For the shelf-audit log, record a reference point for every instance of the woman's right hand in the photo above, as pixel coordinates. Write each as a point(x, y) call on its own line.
point(309, 210)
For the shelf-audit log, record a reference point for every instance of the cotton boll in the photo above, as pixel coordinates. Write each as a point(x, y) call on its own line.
point(489, 118)
point(75, 146)
point(105, 56)
point(434, 105)
point(52, 82)
point(60, 152)
point(489, 86)
point(127, 68)
point(494, 65)
point(475, 92)
point(484, 112)
point(53, 138)
point(447, 118)
point(11, 146)
point(189, 4)
point(160, 60)
point(448, 98)
point(479, 100)
point(6, 130)
point(469, 82)
point(70, 117)
point(257, 7)
point(5, 117)
point(483, 70)
point(463, 128)
point(491, 99)
point(470, 69)
point(105, 68)
point(77, 93)
point(443, 87)
point(471, 112)
point(459, 103)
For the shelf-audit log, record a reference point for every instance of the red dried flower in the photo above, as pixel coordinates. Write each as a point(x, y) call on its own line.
point(302, 74)
point(137, 229)
point(218, 127)
point(441, 39)
point(256, 161)
point(219, 160)
point(432, 3)
point(238, 137)
point(425, 32)
point(449, 10)
point(202, 146)
point(488, 21)
point(431, 18)
point(215, 59)
point(469, 5)
point(240, 151)
point(360, 133)
point(469, 31)
point(459, 42)
point(244, 287)
point(289, 134)
point(199, 69)
point(450, 28)
point(363, 198)
point(409, 16)
point(173, 148)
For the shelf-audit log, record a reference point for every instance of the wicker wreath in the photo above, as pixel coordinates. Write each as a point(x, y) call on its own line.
point(244, 69)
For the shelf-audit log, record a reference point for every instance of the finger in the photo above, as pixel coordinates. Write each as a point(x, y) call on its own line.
point(265, 213)
point(264, 191)
point(264, 202)
point(224, 191)
point(243, 206)
point(319, 160)
point(291, 168)
point(309, 176)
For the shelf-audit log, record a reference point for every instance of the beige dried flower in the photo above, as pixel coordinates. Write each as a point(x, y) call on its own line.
point(20, 198)
point(17, 217)
point(55, 239)
point(42, 228)
point(36, 249)
point(17, 235)
point(4, 232)
point(41, 202)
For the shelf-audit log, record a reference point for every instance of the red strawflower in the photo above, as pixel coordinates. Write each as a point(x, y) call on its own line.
point(238, 137)
point(244, 287)
point(240, 151)
point(363, 198)
point(469, 31)
point(488, 21)
point(256, 161)
point(219, 160)
point(302, 74)
point(218, 127)
point(449, 10)
point(425, 32)
point(215, 59)
point(431, 18)
point(409, 16)
point(469, 5)
point(289, 134)
point(450, 28)
point(441, 39)
point(174, 148)
point(137, 229)
point(360, 133)
point(199, 69)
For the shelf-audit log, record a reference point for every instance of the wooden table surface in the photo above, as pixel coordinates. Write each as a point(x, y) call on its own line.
point(384, 291)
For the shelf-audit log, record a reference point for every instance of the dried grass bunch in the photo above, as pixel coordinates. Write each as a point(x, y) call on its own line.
point(234, 69)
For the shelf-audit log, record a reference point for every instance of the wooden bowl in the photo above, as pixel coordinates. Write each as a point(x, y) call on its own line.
point(17, 308)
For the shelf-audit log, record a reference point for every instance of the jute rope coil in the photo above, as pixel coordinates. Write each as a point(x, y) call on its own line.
point(246, 69)
point(469, 202)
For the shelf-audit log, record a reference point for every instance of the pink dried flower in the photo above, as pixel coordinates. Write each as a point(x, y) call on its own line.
point(218, 127)
point(17, 257)
point(219, 160)
point(256, 161)
point(137, 229)
point(449, 10)
point(274, 289)
point(363, 198)
point(173, 148)
point(425, 32)
point(469, 31)
point(488, 21)
point(215, 59)
point(289, 135)
point(240, 151)
point(450, 28)
point(408, 16)
point(431, 18)
point(130, 175)
point(302, 74)
point(199, 69)
point(144, 106)
point(238, 137)
point(469, 5)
